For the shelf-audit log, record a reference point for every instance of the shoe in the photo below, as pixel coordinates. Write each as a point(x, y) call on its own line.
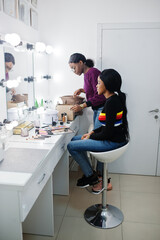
point(97, 189)
point(81, 179)
point(87, 181)
point(109, 186)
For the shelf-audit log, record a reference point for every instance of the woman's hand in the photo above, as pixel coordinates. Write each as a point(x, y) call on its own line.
point(78, 91)
point(76, 108)
point(87, 135)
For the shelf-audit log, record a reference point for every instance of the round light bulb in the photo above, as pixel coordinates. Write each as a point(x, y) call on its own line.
point(10, 83)
point(49, 49)
point(40, 47)
point(14, 39)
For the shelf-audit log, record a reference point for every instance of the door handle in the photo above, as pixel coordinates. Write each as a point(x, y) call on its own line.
point(154, 110)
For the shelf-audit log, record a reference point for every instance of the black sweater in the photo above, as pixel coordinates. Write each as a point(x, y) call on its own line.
point(112, 119)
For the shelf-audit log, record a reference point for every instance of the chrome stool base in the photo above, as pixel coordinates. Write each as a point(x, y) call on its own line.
point(109, 217)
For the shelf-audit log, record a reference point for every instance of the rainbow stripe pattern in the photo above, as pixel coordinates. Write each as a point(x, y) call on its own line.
point(119, 115)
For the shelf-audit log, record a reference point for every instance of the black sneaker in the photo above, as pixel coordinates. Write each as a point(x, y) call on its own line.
point(81, 179)
point(87, 181)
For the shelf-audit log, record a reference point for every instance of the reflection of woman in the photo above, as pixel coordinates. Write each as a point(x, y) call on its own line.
point(111, 135)
point(9, 63)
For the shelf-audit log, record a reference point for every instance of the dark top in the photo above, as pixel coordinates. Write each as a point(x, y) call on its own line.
point(112, 128)
point(90, 82)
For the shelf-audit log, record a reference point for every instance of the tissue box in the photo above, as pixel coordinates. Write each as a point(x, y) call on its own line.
point(61, 108)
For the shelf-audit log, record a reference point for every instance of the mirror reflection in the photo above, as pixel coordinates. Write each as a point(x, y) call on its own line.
point(3, 109)
point(41, 77)
point(19, 77)
point(26, 77)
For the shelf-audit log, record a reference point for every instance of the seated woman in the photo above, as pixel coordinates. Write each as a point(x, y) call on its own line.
point(111, 135)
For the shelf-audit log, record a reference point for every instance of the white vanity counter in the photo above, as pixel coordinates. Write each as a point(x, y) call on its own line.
point(26, 192)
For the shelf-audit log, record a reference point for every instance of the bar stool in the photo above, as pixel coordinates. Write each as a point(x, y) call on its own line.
point(105, 215)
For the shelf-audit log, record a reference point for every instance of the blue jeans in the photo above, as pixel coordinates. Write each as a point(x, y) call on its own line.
point(78, 148)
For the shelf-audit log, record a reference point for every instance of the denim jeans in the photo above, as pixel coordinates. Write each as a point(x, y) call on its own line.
point(78, 148)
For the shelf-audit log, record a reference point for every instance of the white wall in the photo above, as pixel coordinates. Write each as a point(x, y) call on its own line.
point(10, 25)
point(73, 26)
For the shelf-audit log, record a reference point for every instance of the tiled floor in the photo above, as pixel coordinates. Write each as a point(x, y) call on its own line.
point(137, 196)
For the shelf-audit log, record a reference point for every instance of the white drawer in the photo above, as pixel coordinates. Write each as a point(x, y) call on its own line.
point(35, 186)
point(60, 149)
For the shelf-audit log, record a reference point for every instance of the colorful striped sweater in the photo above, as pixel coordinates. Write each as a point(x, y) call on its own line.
point(112, 121)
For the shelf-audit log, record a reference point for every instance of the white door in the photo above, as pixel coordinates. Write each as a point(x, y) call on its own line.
point(134, 51)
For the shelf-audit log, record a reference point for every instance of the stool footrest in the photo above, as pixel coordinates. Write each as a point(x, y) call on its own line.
point(109, 217)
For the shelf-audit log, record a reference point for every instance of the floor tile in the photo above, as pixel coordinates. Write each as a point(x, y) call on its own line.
point(81, 199)
point(58, 222)
point(60, 204)
point(141, 207)
point(140, 231)
point(73, 176)
point(136, 183)
point(77, 229)
point(115, 181)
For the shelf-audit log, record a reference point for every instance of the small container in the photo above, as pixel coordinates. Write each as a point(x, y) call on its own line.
point(24, 132)
point(49, 116)
point(64, 117)
point(13, 114)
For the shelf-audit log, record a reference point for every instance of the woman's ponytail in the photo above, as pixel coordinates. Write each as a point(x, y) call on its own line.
point(89, 63)
point(122, 97)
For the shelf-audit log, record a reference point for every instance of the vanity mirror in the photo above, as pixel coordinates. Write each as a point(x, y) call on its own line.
point(19, 77)
point(3, 109)
point(41, 77)
point(25, 78)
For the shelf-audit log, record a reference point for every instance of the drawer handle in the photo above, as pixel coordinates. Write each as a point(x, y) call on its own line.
point(62, 148)
point(43, 176)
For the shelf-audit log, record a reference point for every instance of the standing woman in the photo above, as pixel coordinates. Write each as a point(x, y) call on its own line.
point(79, 64)
point(113, 132)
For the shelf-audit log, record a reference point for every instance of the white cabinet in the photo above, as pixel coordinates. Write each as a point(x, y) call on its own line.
point(26, 184)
